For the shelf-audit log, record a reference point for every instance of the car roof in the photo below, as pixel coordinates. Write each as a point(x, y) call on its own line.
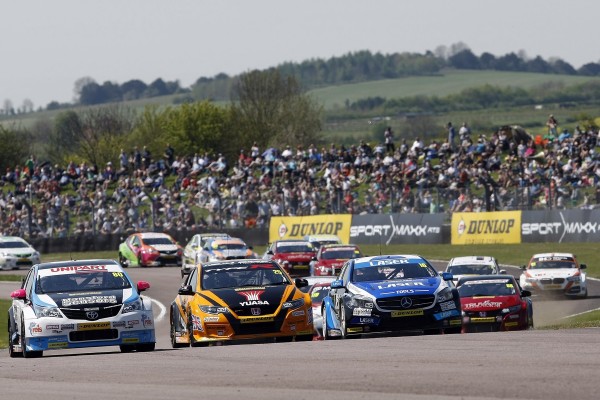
point(213, 235)
point(484, 260)
point(12, 239)
point(151, 235)
point(227, 240)
point(339, 246)
point(484, 278)
point(76, 263)
point(225, 263)
point(372, 260)
point(539, 255)
point(316, 238)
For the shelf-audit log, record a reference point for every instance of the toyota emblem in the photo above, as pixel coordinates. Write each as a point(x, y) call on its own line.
point(406, 302)
point(92, 315)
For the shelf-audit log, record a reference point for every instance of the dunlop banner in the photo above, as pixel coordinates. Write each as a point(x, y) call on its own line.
point(387, 229)
point(501, 227)
point(561, 226)
point(298, 227)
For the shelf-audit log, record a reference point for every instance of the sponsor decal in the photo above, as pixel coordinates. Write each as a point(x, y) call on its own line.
point(481, 304)
point(399, 284)
point(77, 301)
point(362, 312)
point(196, 323)
point(407, 313)
point(446, 314)
point(482, 319)
point(211, 319)
point(252, 320)
point(253, 298)
point(93, 326)
point(34, 328)
point(51, 327)
point(366, 320)
point(509, 324)
point(456, 322)
point(298, 313)
point(298, 227)
point(389, 261)
point(501, 227)
point(553, 286)
point(118, 324)
point(309, 316)
point(58, 345)
point(255, 311)
point(395, 228)
point(447, 305)
point(67, 326)
point(282, 230)
point(146, 320)
point(79, 268)
point(131, 340)
point(355, 329)
point(221, 333)
point(133, 322)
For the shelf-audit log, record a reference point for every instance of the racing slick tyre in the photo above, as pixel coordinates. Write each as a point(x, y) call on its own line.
point(139, 260)
point(304, 338)
point(127, 348)
point(28, 354)
point(174, 343)
point(11, 345)
point(143, 347)
point(452, 331)
point(123, 261)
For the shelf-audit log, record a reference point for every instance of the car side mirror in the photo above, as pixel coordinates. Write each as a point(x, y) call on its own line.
point(337, 284)
point(270, 252)
point(525, 293)
point(502, 271)
point(300, 282)
point(19, 294)
point(314, 258)
point(523, 267)
point(447, 276)
point(186, 290)
point(142, 285)
point(582, 266)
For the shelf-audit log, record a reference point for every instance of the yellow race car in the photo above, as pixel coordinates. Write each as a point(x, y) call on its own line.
point(251, 300)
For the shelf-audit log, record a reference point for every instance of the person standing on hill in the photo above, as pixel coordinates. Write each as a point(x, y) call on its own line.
point(552, 125)
point(388, 137)
point(451, 136)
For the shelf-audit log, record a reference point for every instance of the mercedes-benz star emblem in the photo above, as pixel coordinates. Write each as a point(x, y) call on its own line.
point(92, 315)
point(406, 302)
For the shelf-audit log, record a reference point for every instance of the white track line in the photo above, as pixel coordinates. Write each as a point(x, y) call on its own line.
point(581, 313)
point(163, 309)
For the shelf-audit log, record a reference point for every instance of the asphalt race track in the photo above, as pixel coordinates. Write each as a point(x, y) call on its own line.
point(537, 364)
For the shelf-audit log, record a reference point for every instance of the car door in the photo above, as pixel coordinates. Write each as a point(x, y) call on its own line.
point(20, 304)
point(337, 294)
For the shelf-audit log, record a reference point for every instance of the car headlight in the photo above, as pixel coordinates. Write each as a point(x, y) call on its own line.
point(512, 309)
point(359, 301)
point(214, 310)
point(444, 295)
point(41, 311)
point(574, 278)
point(131, 306)
point(293, 304)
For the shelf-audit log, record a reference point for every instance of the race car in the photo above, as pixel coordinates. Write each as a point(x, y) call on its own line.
point(16, 252)
point(319, 240)
point(318, 291)
point(226, 249)
point(494, 303)
point(390, 293)
point(555, 273)
point(193, 249)
point(243, 300)
point(294, 255)
point(473, 265)
point(150, 249)
point(331, 257)
point(85, 303)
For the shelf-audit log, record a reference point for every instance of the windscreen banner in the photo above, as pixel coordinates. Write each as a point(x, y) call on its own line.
point(560, 226)
point(500, 227)
point(298, 227)
point(388, 229)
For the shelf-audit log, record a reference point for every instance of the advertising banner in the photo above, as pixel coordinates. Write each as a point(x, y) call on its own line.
point(560, 226)
point(298, 227)
point(501, 227)
point(387, 229)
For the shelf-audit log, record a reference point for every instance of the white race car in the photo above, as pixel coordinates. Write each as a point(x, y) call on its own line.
point(193, 250)
point(84, 303)
point(16, 252)
point(555, 273)
point(473, 265)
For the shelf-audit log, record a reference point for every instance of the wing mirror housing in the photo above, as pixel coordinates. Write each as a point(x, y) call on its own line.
point(142, 285)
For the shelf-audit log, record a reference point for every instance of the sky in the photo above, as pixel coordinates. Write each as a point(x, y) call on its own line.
point(48, 45)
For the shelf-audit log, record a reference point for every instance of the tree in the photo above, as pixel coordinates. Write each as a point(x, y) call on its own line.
point(14, 147)
point(65, 136)
point(272, 110)
point(79, 85)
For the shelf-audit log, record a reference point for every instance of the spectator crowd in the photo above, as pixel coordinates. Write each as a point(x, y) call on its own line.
point(502, 170)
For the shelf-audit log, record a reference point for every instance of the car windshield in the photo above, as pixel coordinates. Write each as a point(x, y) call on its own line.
point(495, 287)
point(13, 245)
point(392, 272)
point(155, 241)
point(466, 269)
point(81, 282)
point(552, 263)
point(318, 293)
point(335, 254)
point(294, 248)
point(229, 246)
point(233, 276)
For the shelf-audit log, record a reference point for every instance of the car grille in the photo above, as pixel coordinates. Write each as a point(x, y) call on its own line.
point(28, 263)
point(257, 328)
point(23, 255)
point(247, 311)
point(394, 303)
point(101, 334)
point(235, 257)
point(168, 260)
point(547, 281)
point(103, 312)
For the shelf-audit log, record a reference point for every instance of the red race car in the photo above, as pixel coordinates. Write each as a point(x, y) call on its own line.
point(494, 303)
point(294, 255)
point(331, 257)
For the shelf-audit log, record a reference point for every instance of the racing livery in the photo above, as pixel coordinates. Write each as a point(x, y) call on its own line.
point(390, 293)
point(555, 273)
point(494, 303)
point(331, 257)
point(318, 240)
point(240, 300)
point(150, 249)
point(84, 303)
point(473, 265)
point(16, 252)
point(294, 255)
point(226, 249)
point(193, 249)
point(318, 291)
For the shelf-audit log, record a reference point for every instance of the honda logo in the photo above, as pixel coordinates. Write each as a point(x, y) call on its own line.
point(92, 315)
point(406, 302)
point(255, 311)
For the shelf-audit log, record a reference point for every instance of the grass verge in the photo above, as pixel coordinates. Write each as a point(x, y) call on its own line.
point(4, 306)
point(588, 320)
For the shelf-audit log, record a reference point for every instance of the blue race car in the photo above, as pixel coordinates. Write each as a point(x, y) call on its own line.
point(390, 293)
